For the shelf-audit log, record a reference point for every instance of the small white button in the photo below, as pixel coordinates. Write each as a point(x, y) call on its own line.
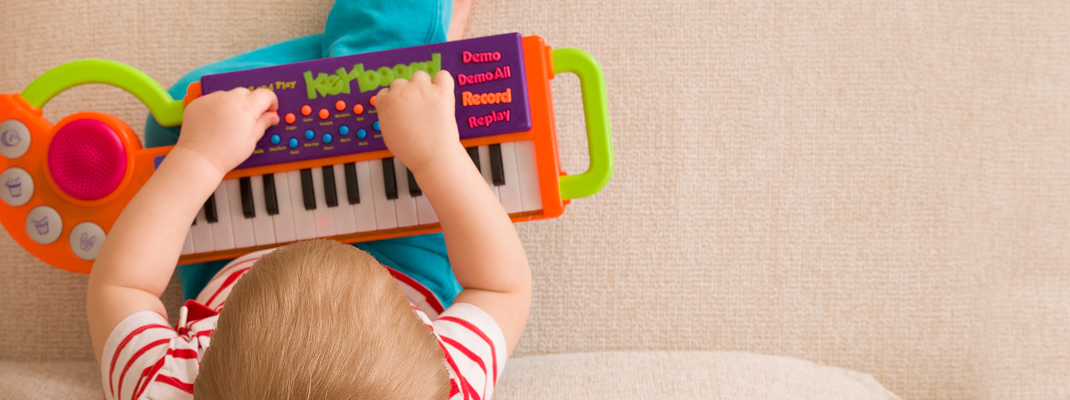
point(86, 239)
point(14, 139)
point(16, 186)
point(44, 224)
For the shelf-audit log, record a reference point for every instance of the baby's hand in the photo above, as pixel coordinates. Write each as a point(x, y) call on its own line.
point(225, 126)
point(417, 119)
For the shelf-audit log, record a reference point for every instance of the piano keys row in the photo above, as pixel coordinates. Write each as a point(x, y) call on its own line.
point(341, 199)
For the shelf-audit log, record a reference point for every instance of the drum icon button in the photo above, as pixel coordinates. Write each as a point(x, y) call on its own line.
point(86, 240)
point(44, 225)
point(14, 139)
point(16, 186)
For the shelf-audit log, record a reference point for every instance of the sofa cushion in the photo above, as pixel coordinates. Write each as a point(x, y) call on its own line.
point(681, 375)
point(603, 375)
point(50, 380)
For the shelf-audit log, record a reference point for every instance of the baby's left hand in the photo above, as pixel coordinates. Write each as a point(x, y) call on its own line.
point(224, 127)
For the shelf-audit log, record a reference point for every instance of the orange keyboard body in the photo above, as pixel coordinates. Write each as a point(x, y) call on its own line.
point(70, 229)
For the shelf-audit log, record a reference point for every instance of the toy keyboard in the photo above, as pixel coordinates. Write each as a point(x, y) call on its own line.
point(322, 172)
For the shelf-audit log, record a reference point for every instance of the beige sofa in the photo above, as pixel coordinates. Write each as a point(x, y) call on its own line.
point(812, 199)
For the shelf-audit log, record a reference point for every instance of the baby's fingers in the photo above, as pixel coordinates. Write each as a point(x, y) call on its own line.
point(383, 97)
point(444, 79)
point(267, 119)
point(421, 77)
point(263, 100)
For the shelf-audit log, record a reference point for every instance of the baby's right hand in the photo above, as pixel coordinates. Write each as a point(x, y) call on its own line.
point(417, 119)
point(224, 127)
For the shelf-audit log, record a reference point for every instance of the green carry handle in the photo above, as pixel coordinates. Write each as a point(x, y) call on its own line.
point(168, 111)
point(596, 115)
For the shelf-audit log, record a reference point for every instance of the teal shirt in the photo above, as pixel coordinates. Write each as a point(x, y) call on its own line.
point(353, 26)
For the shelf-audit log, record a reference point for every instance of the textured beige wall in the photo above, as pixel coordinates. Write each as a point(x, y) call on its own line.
point(880, 186)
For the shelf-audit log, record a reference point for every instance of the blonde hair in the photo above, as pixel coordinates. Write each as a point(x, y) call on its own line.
point(320, 320)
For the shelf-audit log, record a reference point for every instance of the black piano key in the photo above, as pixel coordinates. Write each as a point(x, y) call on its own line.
point(389, 179)
point(351, 183)
point(329, 190)
point(210, 213)
point(271, 200)
point(307, 191)
point(247, 197)
point(497, 173)
point(473, 152)
point(414, 189)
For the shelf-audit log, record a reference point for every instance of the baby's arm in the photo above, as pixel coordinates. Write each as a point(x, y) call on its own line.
point(419, 127)
point(459, 19)
point(488, 259)
point(135, 264)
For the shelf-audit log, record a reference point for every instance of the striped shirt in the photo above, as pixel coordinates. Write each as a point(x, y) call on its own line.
point(146, 358)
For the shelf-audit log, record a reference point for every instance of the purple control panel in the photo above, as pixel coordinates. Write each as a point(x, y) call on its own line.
point(327, 106)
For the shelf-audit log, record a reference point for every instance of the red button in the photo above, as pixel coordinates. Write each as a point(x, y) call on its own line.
point(290, 118)
point(340, 105)
point(324, 114)
point(306, 110)
point(358, 109)
point(373, 101)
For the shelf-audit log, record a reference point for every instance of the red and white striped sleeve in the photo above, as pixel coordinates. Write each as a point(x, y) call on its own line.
point(475, 350)
point(218, 288)
point(144, 357)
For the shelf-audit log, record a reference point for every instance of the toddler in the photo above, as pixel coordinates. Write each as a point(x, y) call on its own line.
point(315, 319)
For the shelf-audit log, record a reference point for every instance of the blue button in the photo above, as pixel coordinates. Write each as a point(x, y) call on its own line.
point(327, 138)
point(344, 130)
point(361, 133)
point(309, 134)
point(375, 125)
point(275, 139)
point(293, 143)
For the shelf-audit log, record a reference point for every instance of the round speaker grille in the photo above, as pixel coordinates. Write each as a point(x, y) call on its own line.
point(87, 159)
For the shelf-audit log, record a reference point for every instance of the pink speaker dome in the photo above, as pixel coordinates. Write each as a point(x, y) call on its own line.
point(87, 159)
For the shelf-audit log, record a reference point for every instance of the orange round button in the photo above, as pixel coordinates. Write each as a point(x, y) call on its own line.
point(358, 109)
point(373, 101)
point(290, 118)
point(306, 109)
point(340, 105)
point(324, 113)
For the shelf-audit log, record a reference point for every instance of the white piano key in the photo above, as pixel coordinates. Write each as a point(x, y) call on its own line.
point(222, 230)
point(484, 163)
point(527, 171)
point(304, 220)
point(263, 227)
point(385, 215)
point(324, 216)
point(202, 235)
point(187, 247)
point(405, 204)
point(424, 212)
point(509, 194)
point(364, 212)
point(343, 214)
point(284, 220)
point(243, 227)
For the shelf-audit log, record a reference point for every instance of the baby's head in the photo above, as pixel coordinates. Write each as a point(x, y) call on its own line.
point(320, 320)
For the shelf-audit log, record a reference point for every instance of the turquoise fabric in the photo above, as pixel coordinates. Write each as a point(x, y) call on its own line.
point(352, 27)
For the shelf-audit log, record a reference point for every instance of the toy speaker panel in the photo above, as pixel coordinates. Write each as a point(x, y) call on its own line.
point(62, 186)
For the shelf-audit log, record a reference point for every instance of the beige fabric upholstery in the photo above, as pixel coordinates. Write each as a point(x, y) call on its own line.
point(681, 375)
point(69, 380)
point(600, 375)
point(877, 186)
